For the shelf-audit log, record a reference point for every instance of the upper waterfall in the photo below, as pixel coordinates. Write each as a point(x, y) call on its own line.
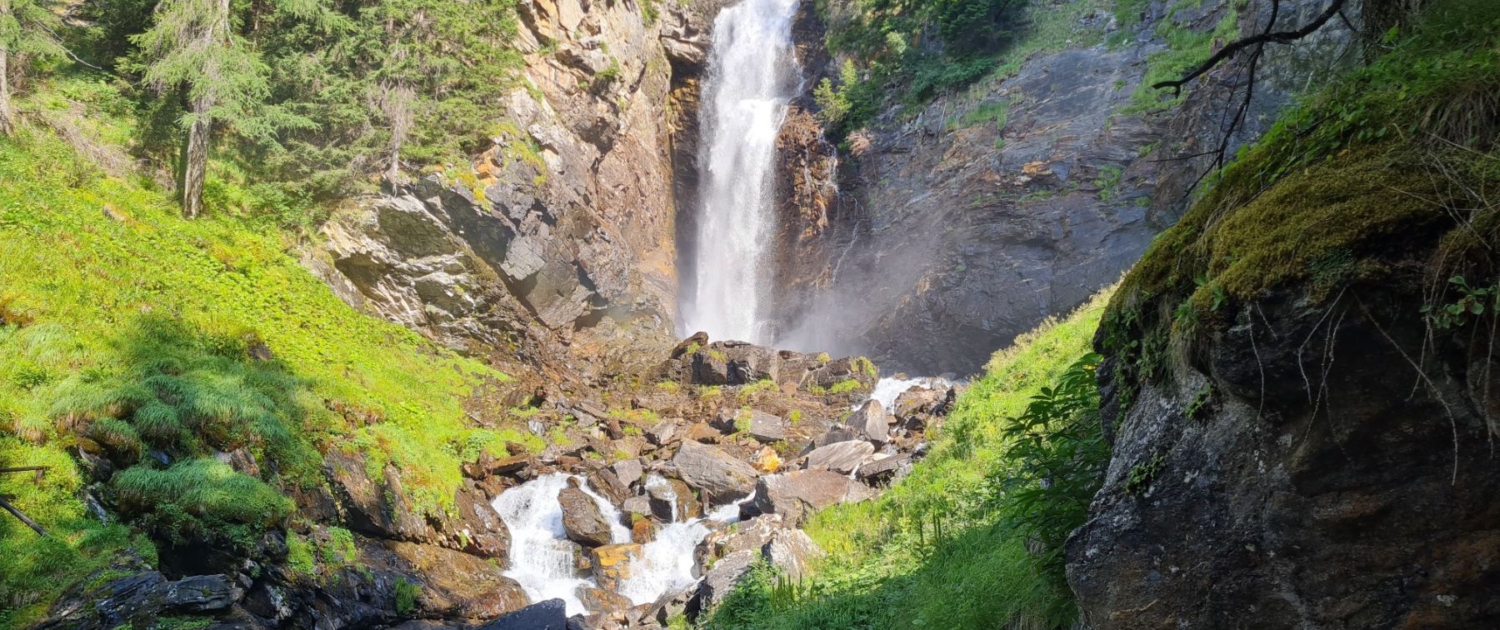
point(752, 74)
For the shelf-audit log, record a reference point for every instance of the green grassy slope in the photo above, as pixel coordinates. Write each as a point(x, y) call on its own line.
point(935, 550)
point(131, 334)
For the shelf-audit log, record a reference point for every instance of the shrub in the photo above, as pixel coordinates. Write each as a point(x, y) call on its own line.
point(406, 597)
point(203, 499)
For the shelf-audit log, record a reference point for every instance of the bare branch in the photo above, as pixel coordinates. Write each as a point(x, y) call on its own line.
point(1258, 40)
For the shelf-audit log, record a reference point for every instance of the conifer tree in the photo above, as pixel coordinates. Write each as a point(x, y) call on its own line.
point(193, 46)
point(23, 31)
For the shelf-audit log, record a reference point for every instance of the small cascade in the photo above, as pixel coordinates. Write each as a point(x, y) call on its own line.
point(541, 558)
point(542, 561)
point(666, 563)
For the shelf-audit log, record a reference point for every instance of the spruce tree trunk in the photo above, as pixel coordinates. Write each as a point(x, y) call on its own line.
point(195, 161)
point(7, 116)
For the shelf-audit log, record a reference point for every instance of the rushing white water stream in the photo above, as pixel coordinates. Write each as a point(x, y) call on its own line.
point(752, 74)
point(541, 558)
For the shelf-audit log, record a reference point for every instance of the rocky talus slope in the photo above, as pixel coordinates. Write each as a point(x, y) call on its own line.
point(720, 423)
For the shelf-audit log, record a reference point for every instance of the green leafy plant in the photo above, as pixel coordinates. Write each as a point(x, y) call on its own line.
point(1142, 474)
point(1472, 302)
point(1057, 456)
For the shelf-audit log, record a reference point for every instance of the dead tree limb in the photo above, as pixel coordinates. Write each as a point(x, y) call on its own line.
point(16, 512)
point(1258, 40)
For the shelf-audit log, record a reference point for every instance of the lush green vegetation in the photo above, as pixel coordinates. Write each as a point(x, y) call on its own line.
point(886, 39)
point(155, 342)
point(303, 101)
point(972, 538)
point(890, 58)
point(1395, 150)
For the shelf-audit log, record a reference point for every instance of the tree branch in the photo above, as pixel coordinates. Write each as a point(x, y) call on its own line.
point(4, 503)
point(1261, 39)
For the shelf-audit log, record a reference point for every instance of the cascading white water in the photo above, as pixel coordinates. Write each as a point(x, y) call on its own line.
point(541, 558)
point(752, 74)
point(666, 563)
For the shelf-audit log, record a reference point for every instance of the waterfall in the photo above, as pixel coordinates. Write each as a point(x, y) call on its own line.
point(752, 74)
point(666, 563)
point(541, 558)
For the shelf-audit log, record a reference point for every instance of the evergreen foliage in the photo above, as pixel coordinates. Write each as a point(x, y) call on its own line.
point(302, 102)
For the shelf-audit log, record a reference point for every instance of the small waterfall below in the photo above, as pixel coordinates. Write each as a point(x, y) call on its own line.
point(752, 75)
point(541, 558)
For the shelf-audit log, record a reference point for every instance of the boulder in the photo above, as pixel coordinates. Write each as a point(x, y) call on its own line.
point(835, 434)
point(551, 614)
point(611, 563)
point(702, 433)
point(796, 495)
point(671, 499)
point(696, 341)
point(642, 529)
point(458, 585)
point(766, 428)
point(840, 457)
point(663, 434)
point(721, 579)
point(609, 486)
point(869, 421)
point(475, 528)
point(637, 505)
point(750, 363)
point(884, 468)
point(582, 519)
point(487, 465)
point(628, 471)
point(710, 367)
point(750, 535)
point(202, 593)
point(791, 551)
point(714, 471)
point(600, 600)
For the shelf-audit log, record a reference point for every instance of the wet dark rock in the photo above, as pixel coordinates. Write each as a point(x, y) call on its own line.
point(546, 615)
point(582, 520)
point(1347, 505)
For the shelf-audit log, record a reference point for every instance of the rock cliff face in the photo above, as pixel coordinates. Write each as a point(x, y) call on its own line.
point(568, 219)
point(1242, 496)
point(966, 222)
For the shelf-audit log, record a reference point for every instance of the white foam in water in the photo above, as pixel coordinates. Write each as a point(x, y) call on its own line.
point(666, 563)
point(541, 558)
point(889, 389)
point(751, 77)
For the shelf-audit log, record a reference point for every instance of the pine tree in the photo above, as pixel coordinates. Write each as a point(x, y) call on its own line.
point(23, 31)
point(193, 46)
